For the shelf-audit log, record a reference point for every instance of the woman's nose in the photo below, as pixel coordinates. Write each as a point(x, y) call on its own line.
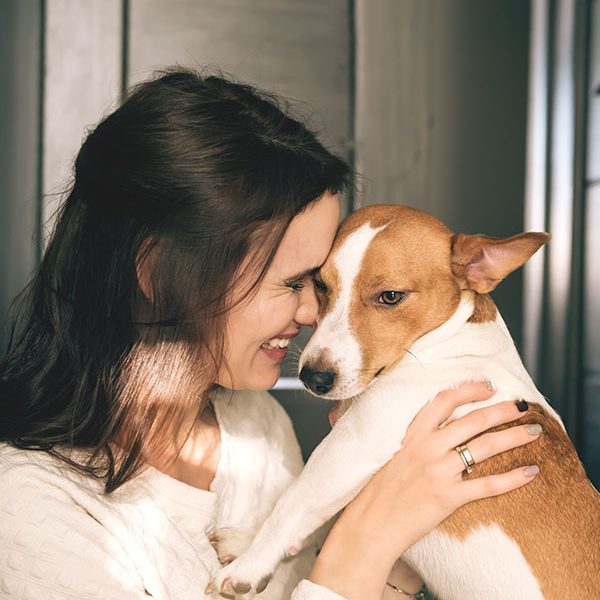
point(308, 309)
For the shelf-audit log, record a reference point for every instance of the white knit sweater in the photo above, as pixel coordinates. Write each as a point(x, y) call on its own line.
point(62, 538)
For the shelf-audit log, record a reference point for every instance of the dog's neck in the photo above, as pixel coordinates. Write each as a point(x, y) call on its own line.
point(459, 339)
point(459, 351)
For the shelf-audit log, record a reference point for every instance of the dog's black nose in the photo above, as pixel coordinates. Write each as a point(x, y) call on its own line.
point(319, 382)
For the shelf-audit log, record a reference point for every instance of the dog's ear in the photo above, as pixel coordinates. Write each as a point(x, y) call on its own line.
point(480, 262)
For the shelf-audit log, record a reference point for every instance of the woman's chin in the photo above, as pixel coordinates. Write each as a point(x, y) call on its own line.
point(269, 378)
point(257, 381)
point(268, 381)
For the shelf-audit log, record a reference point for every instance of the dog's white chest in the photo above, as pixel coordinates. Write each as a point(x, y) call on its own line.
point(454, 568)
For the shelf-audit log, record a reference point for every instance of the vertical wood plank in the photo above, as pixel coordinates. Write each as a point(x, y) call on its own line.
point(561, 197)
point(82, 83)
point(535, 186)
point(560, 368)
point(20, 103)
point(591, 337)
point(394, 100)
point(591, 332)
point(593, 166)
point(298, 49)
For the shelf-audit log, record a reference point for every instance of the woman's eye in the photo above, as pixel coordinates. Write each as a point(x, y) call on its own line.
point(391, 298)
point(296, 285)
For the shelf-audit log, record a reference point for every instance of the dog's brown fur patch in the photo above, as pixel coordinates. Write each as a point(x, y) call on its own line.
point(484, 309)
point(554, 519)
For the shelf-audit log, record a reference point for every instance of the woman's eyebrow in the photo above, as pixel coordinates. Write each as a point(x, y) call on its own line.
point(309, 272)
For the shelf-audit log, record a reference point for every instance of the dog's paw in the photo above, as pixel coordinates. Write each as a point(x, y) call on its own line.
point(249, 573)
point(230, 542)
point(238, 578)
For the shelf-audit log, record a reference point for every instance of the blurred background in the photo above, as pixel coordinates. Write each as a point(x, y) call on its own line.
point(483, 112)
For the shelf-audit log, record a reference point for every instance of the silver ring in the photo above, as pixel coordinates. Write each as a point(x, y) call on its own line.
point(466, 457)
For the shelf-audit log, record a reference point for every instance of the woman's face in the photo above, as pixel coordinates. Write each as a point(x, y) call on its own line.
point(260, 327)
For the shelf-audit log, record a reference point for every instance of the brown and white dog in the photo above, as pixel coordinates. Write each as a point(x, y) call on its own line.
point(408, 314)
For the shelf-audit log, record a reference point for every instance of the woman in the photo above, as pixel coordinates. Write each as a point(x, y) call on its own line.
point(134, 415)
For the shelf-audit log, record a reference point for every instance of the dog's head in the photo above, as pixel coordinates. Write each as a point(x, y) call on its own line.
point(394, 274)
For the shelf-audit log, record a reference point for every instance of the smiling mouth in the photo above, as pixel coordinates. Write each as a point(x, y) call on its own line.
point(275, 343)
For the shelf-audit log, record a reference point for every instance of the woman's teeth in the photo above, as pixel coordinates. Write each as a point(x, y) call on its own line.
point(275, 343)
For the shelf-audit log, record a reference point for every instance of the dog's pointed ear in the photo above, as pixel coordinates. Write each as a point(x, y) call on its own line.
point(480, 262)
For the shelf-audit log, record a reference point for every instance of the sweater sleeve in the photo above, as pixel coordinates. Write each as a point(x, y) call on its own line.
point(307, 590)
point(51, 548)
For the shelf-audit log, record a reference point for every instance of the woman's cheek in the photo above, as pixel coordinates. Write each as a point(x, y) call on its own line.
point(282, 309)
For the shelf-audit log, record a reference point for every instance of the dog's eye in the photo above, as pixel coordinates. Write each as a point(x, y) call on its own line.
point(391, 298)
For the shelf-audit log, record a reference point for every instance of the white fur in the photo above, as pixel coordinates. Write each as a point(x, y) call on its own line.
point(455, 570)
point(371, 430)
point(334, 338)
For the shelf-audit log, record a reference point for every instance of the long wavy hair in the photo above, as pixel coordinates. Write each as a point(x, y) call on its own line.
point(186, 178)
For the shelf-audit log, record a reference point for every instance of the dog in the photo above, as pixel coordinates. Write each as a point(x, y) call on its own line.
point(407, 313)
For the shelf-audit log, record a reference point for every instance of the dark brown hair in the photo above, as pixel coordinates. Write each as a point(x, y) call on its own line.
point(179, 180)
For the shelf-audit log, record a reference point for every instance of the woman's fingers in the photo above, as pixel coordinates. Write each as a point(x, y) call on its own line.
point(478, 421)
point(490, 444)
point(493, 485)
point(440, 408)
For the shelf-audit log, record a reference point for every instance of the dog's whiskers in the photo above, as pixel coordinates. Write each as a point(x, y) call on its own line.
point(412, 354)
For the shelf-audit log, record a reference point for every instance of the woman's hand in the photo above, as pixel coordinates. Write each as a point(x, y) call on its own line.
point(418, 488)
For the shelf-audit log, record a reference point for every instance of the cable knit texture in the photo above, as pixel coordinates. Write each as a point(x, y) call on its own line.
point(62, 538)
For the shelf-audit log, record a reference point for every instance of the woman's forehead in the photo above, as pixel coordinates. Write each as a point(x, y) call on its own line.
point(309, 237)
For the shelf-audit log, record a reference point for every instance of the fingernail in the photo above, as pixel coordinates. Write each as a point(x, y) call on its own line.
point(534, 428)
point(531, 470)
point(522, 405)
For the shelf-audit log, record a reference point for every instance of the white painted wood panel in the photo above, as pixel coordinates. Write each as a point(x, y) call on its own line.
point(298, 49)
point(394, 100)
point(591, 332)
point(82, 83)
point(593, 166)
point(20, 75)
